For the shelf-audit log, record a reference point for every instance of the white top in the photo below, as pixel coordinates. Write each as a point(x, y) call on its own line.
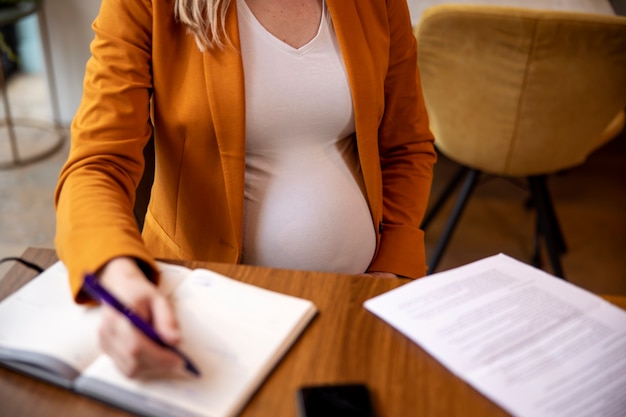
point(304, 196)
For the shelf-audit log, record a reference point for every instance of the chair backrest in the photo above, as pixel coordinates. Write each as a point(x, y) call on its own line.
point(520, 92)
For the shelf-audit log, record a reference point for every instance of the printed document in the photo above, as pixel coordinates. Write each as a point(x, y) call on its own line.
point(532, 343)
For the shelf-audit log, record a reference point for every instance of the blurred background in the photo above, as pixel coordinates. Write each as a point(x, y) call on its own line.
point(590, 200)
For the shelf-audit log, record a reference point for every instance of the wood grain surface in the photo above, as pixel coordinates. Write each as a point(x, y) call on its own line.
point(343, 343)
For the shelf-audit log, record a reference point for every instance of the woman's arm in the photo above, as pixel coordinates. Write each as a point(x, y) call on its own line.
point(96, 228)
point(407, 154)
point(96, 189)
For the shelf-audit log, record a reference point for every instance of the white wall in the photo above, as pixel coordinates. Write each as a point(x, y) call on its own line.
point(69, 31)
point(28, 45)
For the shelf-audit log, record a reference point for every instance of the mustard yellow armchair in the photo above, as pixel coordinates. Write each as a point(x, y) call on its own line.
point(519, 93)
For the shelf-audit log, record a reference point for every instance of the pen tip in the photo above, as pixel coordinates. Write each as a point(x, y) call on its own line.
point(193, 370)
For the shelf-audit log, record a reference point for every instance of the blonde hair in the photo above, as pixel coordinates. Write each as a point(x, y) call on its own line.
point(205, 20)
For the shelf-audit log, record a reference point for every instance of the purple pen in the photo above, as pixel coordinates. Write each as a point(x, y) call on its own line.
point(99, 293)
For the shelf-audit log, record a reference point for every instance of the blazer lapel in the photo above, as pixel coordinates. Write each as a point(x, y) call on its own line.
point(223, 72)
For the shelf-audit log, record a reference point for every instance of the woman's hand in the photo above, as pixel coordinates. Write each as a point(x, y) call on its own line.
point(134, 353)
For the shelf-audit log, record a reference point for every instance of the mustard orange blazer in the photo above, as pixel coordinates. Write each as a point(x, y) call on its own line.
point(147, 72)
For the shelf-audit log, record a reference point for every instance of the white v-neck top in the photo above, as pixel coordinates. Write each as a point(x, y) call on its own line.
point(304, 196)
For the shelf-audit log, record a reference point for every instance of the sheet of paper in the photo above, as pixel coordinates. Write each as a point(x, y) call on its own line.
point(534, 344)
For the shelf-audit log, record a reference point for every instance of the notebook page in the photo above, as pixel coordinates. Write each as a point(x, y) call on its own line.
point(42, 318)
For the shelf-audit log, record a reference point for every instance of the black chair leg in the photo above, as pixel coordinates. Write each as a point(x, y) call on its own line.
point(554, 222)
point(460, 174)
point(548, 227)
point(530, 204)
point(466, 191)
point(536, 257)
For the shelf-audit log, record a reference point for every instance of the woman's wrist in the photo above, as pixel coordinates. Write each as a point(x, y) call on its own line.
point(119, 270)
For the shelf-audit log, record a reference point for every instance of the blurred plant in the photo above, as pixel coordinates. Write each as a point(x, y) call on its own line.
point(5, 48)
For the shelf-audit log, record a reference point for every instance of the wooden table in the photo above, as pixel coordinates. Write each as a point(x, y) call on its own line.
point(344, 343)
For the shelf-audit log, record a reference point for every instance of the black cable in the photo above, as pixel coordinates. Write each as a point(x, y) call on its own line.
point(24, 262)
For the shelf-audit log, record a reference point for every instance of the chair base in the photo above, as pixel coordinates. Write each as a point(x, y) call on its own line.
point(548, 229)
point(547, 225)
point(28, 141)
point(471, 178)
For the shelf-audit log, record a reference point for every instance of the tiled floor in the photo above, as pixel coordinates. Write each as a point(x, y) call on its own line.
point(590, 201)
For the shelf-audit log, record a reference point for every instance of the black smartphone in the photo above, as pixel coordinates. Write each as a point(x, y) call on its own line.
point(335, 400)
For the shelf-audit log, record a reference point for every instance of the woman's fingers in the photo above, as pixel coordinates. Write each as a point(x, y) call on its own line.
point(164, 320)
point(134, 353)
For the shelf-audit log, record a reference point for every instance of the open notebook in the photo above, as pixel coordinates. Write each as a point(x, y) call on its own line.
point(235, 333)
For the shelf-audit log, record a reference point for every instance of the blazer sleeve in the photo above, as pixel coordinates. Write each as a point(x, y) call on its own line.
point(96, 190)
point(407, 154)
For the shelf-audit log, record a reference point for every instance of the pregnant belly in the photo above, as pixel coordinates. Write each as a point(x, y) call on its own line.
point(307, 212)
